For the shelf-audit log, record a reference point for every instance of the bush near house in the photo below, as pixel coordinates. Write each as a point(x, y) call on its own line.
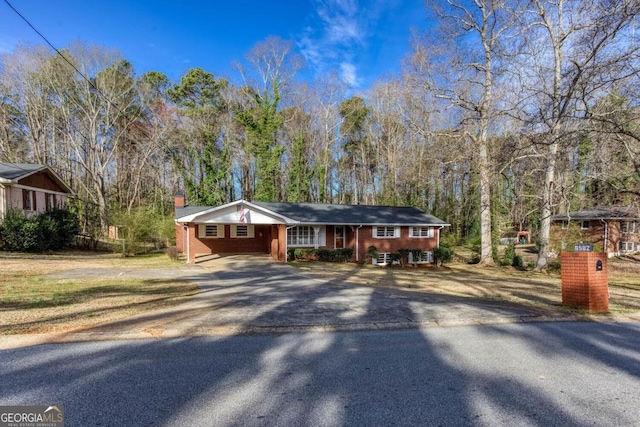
point(442, 254)
point(325, 255)
point(50, 230)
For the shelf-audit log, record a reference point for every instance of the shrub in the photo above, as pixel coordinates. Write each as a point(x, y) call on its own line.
point(372, 252)
point(442, 254)
point(416, 253)
point(344, 254)
point(517, 261)
point(531, 265)
point(509, 255)
point(50, 230)
point(325, 255)
point(404, 255)
point(395, 256)
point(172, 252)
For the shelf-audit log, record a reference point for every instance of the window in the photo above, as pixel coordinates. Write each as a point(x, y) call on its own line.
point(301, 235)
point(304, 235)
point(424, 258)
point(384, 258)
point(50, 201)
point(584, 225)
point(421, 232)
point(628, 227)
point(211, 231)
point(565, 224)
point(627, 247)
point(386, 232)
point(243, 231)
point(28, 200)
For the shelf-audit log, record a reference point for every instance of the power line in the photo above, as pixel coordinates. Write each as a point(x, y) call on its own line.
point(65, 58)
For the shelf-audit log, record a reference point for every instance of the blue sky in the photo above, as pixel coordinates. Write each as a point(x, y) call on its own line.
point(362, 39)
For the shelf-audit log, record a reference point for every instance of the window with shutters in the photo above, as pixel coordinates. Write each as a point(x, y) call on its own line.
point(386, 232)
point(421, 232)
point(242, 231)
point(211, 231)
point(28, 200)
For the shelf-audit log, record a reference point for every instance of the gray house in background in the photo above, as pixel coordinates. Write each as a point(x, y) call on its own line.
point(31, 188)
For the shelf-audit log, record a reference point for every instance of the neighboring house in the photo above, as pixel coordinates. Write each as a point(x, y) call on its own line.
point(31, 188)
point(272, 228)
point(615, 229)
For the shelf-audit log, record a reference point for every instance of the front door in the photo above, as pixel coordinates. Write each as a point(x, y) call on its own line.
point(339, 236)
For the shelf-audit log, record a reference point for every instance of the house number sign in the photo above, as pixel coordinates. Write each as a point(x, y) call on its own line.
point(583, 247)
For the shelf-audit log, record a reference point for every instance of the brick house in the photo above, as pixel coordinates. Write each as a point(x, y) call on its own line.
point(272, 228)
point(31, 188)
point(614, 230)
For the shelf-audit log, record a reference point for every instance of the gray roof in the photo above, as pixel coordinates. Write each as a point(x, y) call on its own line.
point(15, 171)
point(190, 210)
point(313, 213)
point(11, 173)
point(605, 212)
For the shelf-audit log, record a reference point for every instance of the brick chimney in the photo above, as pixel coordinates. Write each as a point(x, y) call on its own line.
point(180, 201)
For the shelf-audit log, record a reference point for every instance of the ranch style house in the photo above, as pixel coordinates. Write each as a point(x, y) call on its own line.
point(273, 228)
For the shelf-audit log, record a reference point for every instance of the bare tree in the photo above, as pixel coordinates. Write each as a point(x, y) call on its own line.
point(572, 53)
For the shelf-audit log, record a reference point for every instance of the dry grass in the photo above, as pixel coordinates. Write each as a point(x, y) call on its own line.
point(32, 303)
point(498, 283)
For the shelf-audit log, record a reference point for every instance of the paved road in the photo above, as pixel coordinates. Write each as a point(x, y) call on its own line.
point(253, 295)
point(533, 374)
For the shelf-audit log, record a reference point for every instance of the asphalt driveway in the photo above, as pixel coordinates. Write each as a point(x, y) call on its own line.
point(252, 294)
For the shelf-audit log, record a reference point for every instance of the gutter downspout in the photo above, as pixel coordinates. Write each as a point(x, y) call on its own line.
point(357, 241)
point(188, 244)
point(438, 236)
point(606, 237)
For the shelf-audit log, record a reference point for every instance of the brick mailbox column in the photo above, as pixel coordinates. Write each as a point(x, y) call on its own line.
point(584, 280)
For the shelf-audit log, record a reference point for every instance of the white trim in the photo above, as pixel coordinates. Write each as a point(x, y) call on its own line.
point(430, 232)
point(202, 231)
point(396, 232)
point(335, 236)
point(194, 217)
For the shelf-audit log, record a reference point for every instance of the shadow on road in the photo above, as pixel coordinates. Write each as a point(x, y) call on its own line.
point(409, 377)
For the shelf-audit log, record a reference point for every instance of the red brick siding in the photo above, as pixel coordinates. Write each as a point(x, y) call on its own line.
point(594, 234)
point(366, 239)
point(258, 244)
point(582, 285)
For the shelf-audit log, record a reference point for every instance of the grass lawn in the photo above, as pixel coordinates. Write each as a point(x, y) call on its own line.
point(30, 302)
point(497, 283)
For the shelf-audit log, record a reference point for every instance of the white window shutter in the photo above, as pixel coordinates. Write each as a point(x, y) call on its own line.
point(410, 260)
point(202, 231)
point(396, 232)
point(322, 237)
point(221, 231)
point(233, 231)
point(250, 231)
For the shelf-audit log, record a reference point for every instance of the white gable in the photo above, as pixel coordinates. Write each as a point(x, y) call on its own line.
point(231, 213)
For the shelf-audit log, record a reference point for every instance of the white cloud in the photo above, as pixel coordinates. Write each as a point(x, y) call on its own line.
point(334, 44)
point(349, 74)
